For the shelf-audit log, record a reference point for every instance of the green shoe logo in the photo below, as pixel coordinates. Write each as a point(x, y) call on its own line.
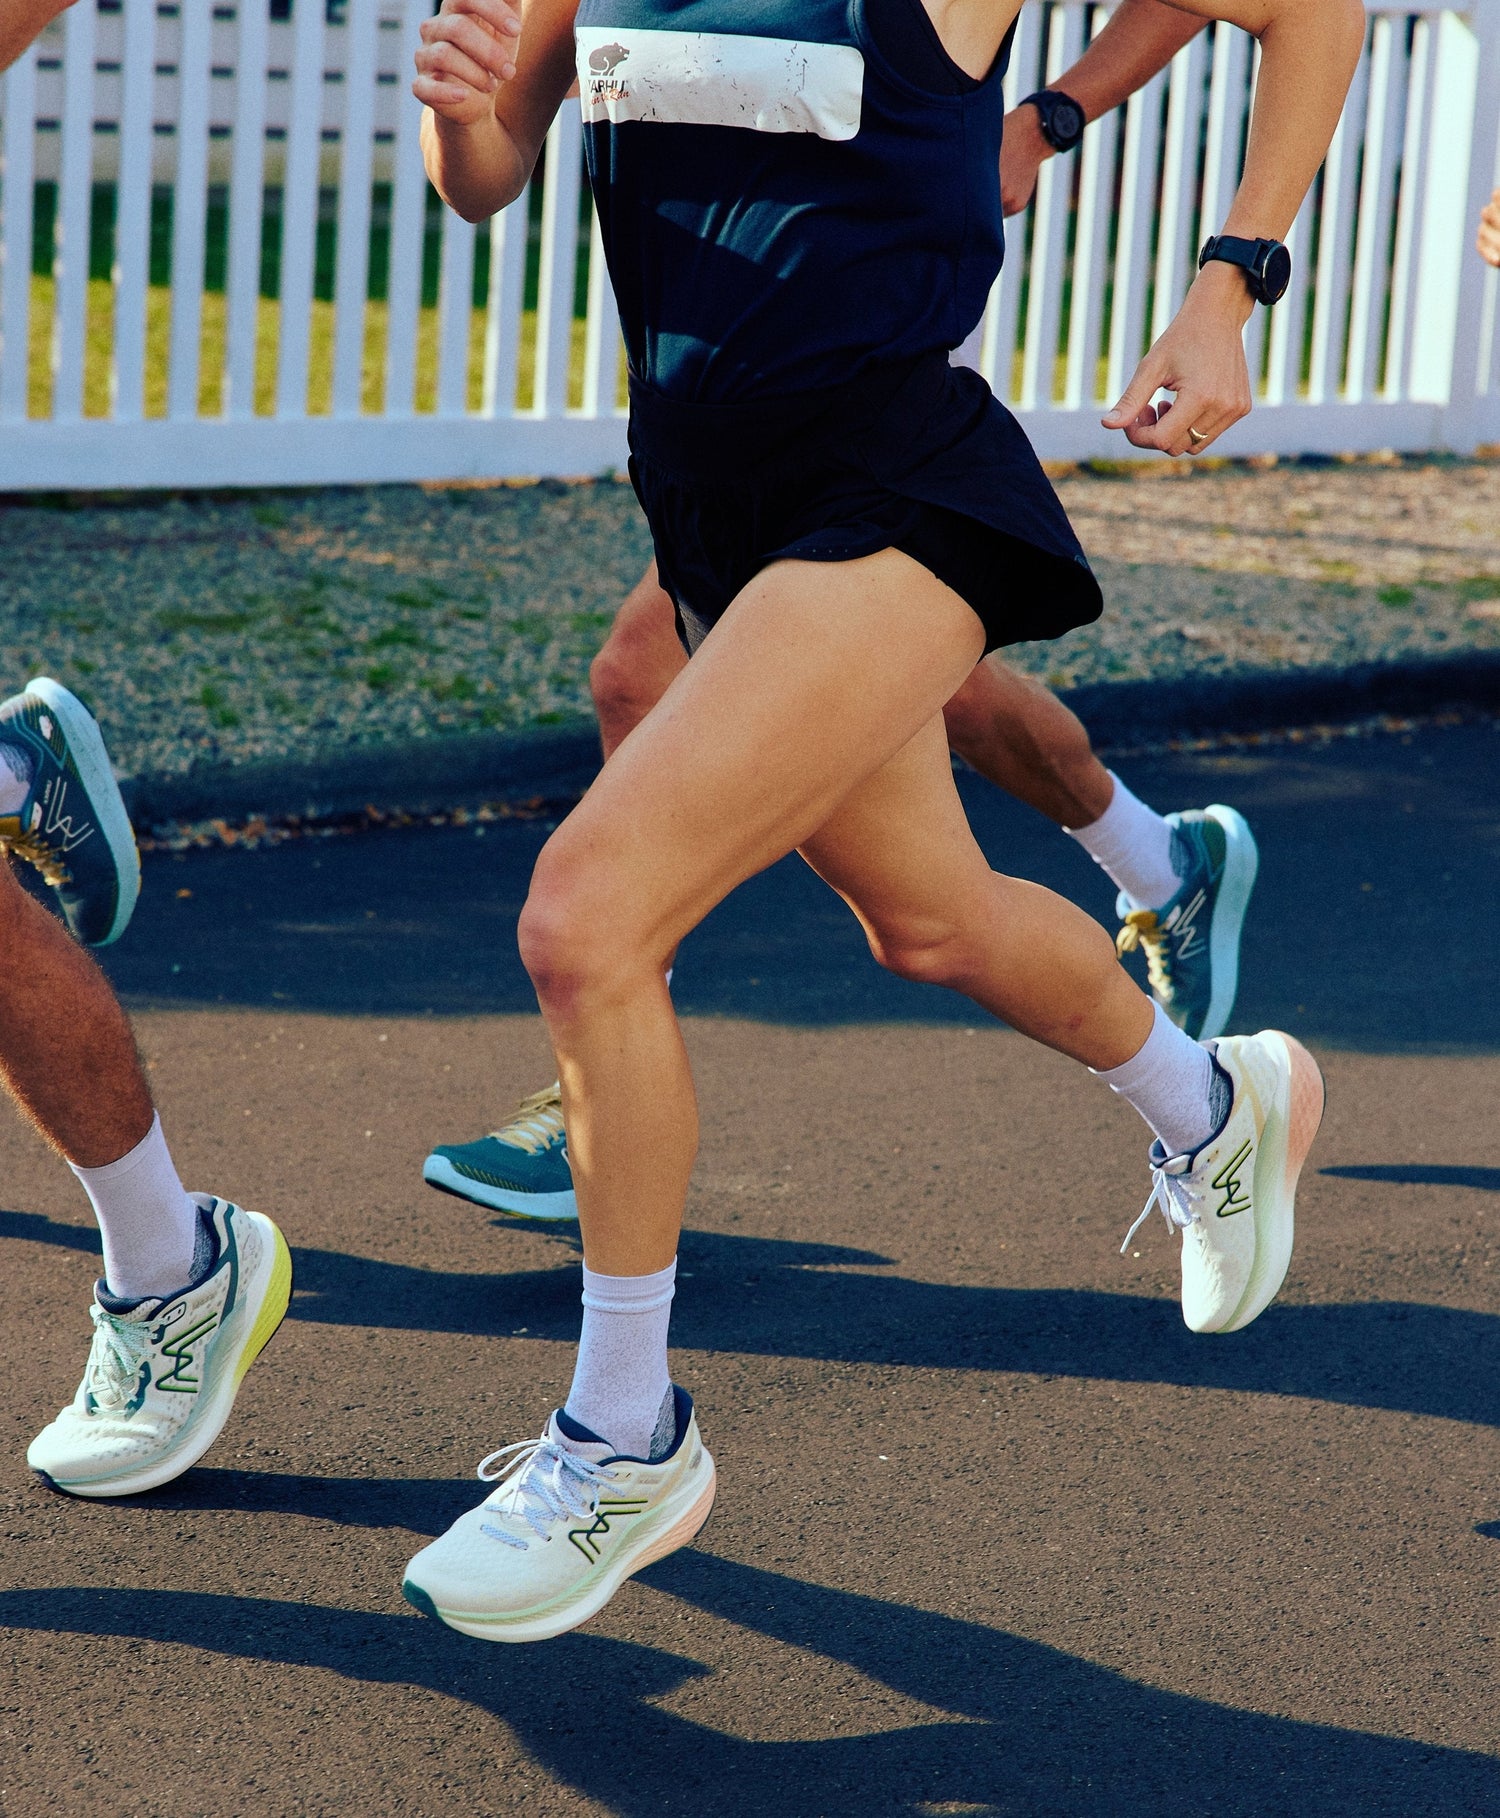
point(179, 1380)
point(587, 1539)
point(1227, 1181)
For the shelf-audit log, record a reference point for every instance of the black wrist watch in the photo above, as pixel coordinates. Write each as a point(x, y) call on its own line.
point(1266, 263)
point(1062, 117)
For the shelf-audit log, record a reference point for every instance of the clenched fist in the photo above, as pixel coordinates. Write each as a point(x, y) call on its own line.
point(468, 49)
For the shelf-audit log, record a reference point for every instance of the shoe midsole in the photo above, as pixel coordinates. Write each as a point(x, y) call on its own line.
point(1241, 862)
point(439, 1172)
point(1283, 1147)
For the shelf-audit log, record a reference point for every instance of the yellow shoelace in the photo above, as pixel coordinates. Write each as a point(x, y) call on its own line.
point(538, 1121)
point(1143, 929)
point(35, 852)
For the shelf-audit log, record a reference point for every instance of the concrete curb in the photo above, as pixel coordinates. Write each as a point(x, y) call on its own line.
point(1243, 701)
point(418, 775)
point(430, 775)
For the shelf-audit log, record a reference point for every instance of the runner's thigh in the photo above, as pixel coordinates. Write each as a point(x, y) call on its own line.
point(816, 675)
point(899, 849)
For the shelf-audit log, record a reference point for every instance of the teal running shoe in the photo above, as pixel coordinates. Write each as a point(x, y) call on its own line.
point(72, 826)
point(522, 1168)
point(1192, 943)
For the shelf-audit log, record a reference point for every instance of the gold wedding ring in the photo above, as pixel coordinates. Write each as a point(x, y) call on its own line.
point(1196, 435)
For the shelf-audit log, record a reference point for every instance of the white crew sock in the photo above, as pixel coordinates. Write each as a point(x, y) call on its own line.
point(1175, 1084)
point(1134, 845)
point(148, 1223)
point(621, 1388)
point(16, 773)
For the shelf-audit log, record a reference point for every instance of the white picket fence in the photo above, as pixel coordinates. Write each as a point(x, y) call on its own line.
point(271, 147)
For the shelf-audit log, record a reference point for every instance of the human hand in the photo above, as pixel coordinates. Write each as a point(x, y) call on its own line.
point(468, 49)
point(1200, 358)
point(1023, 152)
point(1489, 231)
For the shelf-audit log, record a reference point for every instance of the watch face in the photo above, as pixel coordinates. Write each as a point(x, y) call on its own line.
point(1275, 274)
point(1067, 122)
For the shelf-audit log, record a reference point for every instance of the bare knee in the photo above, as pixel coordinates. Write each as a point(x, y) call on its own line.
point(620, 690)
point(637, 663)
point(554, 933)
point(923, 949)
point(579, 942)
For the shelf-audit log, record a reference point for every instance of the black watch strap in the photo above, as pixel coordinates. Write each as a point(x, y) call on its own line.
point(1062, 118)
point(1267, 264)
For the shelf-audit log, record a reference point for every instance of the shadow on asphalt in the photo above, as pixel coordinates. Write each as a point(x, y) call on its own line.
point(1371, 928)
point(773, 1298)
point(1421, 1174)
point(421, 1505)
point(1031, 1729)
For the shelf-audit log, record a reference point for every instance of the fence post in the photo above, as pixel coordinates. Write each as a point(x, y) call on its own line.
point(17, 195)
point(1475, 285)
point(1444, 211)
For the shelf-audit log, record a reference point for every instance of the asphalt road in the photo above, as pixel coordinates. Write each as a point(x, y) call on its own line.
point(995, 1534)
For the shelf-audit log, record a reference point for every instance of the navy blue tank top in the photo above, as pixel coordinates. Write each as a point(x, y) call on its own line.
point(789, 191)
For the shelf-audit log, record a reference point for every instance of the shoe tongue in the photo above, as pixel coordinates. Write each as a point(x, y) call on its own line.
point(573, 1436)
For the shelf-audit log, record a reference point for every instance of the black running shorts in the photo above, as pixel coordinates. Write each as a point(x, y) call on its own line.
point(920, 457)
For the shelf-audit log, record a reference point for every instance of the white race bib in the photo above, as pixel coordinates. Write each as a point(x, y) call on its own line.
point(767, 85)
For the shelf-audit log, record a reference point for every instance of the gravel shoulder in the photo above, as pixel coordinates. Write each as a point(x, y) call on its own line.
point(211, 630)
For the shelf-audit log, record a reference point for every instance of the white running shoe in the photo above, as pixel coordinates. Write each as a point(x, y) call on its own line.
point(562, 1530)
point(162, 1376)
point(1234, 1200)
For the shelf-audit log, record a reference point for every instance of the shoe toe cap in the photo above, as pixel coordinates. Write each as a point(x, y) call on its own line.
point(87, 1449)
point(1213, 1283)
point(467, 1572)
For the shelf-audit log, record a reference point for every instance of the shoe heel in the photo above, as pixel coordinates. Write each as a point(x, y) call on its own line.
point(1274, 1237)
point(273, 1311)
point(1304, 1110)
point(682, 1530)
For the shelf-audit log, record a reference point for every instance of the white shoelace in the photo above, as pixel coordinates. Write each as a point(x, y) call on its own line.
point(1170, 1195)
point(542, 1483)
point(115, 1359)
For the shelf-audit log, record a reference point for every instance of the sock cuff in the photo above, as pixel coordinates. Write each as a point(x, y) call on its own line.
point(1123, 1077)
point(1121, 793)
point(145, 1150)
point(629, 1293)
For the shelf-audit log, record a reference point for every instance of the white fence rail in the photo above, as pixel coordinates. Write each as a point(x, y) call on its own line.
point(220, 263)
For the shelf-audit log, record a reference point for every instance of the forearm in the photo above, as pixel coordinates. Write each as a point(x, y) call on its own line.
point(21, 20)
point(1141, 37)
point(490, 79)
point(1309, 50)
point(1308, 56)
point(476, 169)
